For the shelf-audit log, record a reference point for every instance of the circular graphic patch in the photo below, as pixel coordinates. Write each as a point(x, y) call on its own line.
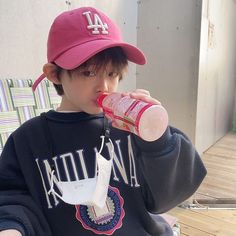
point(103, 220)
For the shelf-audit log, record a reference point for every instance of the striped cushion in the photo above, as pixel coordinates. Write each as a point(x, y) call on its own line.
point(6, 103)
point(3, 139)
point(23, 99)
point(42, 96)
point(8, 121)
point(46, 96)
point(19, 103)
point(55, 99)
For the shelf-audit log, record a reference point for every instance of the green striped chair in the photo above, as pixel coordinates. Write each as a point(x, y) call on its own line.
point(54, 98)
point(9, 119)
point(18, 103)
point(46, 97)
point(29, 104)
point(23, 98)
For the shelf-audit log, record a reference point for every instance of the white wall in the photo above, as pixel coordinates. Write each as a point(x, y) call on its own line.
point(191, 49)
point(24, 27)
point(169, 33)
point(217, 72)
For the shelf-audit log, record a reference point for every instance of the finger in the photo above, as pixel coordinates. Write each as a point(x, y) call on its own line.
point(142, 91)
point(137, 91)
point(143, 95)
point(151, 100)
point(125, 94)
point(145, 98)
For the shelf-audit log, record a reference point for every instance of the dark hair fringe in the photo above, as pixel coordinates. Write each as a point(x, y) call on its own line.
point(115, 55)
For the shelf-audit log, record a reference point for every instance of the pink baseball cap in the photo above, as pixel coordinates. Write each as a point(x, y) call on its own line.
point(77, 35)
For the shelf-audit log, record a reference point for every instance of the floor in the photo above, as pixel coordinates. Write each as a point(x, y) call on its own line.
point(212, 210)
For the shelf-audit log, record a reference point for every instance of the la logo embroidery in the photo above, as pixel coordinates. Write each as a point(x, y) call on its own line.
point(98, 24)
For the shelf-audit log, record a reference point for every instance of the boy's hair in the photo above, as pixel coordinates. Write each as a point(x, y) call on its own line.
point(114, 55)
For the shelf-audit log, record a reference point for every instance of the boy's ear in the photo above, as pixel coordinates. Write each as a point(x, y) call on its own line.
point(50, 70)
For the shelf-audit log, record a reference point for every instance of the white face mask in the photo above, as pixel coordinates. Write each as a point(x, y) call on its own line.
point(91, 191)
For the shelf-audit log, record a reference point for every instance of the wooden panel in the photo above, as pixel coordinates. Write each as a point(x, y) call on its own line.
point(220, 161)
point(219, 184)
point(206, 222)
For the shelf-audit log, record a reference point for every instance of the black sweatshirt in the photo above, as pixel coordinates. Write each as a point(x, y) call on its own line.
point(147, 177)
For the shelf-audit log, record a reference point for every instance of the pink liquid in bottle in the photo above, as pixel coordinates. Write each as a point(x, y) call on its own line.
point(148, 121)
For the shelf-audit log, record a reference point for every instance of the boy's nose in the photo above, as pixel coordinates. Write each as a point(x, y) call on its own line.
point(102, 85)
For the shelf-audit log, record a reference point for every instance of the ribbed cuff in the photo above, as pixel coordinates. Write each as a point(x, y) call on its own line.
point(164, 142)
point(5, 225)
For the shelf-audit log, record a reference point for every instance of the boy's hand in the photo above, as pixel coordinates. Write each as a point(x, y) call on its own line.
point(10, 232)
point(143, 95)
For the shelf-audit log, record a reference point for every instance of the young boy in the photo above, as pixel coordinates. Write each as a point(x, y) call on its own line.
point(48, 165)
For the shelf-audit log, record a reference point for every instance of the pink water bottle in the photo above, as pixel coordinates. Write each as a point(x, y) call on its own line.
point(148, 121)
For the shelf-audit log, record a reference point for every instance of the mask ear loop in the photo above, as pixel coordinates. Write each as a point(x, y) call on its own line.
point(100, 150)
point(102, 145)
point(103, 137)
point(107, 133)
point(52, 190)
point(99, 153)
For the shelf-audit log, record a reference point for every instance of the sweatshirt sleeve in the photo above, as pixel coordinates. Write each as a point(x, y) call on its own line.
point(17, 208)
point(171, 170)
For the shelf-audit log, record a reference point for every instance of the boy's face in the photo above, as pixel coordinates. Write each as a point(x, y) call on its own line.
point(82, 86)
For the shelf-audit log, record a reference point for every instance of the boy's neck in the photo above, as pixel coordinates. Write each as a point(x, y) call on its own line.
point(65, 106)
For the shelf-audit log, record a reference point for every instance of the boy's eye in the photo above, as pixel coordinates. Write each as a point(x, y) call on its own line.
point(113, 74)
point(88, 73)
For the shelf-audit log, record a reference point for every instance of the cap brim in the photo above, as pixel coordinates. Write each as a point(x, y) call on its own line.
point(77, 55)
